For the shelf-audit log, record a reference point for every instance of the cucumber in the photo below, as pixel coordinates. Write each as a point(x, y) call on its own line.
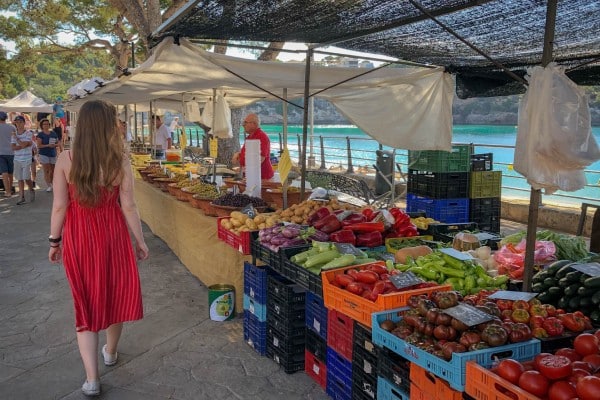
point(555, 291)
point(563, 271)
point(574, 303)
point(583, 278)
point(544, 297)
point(596, 297)
point(593, 282)
point(572, 289)
point(587, 292)
point(540, 276)
point(595, 317)
point(574, 276)
point(553, 268)
point(563, 282)
point(549, 282)
point(585, 302)
point(563, 302)
point(538, 287)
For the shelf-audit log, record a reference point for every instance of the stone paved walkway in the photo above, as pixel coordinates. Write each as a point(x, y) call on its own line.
point(175, 352)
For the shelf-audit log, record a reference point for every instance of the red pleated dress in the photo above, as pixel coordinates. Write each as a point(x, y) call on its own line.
point(100, 264)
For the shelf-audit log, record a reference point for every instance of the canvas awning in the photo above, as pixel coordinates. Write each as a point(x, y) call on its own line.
point(408, 108)
point(26, 102)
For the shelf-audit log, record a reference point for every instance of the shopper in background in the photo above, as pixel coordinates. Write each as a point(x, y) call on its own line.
point(93, 206)
point(173, 127)
point(47, 142)
point(7, 154)
point(251, 126)
point(21, 142)
point(162, 137)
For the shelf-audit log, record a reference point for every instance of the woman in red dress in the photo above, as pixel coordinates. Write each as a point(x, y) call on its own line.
point(92, 209)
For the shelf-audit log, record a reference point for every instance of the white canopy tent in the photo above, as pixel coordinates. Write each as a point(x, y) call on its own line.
point(26, 102)
point(408, 108)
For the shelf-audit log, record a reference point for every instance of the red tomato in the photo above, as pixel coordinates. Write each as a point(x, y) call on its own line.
point(555, 367)
point(534, 382)
point(510, 370)
point(593, 360)
point(571, 354)
point(588, 388)
point(586, 344)
point(366, 277)
point(354, 287)
point(577, 374)
point(536, 359)
point(528, 365)
point(582, 365)
point(343, 279)
point(597, 333)
point(520, 305)
point(561, 390)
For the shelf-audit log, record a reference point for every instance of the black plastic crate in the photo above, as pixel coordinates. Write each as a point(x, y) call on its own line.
point(445, 232)
point(364, 362)
point(316, 345)
point(363, 339)
point(286, 343)
point(290, 362)
point(394, 368)
point(316, 314)
point(439, 185)
point(482, 162)
point(291, 323)
point(486, 213)
point(551, 344)
point(364, 386)
point(298, 274)
point(286, 290)
point(264, 254)
point(255, 281)
point(277, 306)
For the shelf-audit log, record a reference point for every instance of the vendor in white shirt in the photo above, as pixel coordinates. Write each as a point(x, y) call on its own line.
point(174, 126)
point(162, 137)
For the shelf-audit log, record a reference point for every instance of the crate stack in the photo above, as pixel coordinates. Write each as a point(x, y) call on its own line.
point(340, 337)
point(315, 354)
point(393, 375)
point(364, 364)
point(484, 193)
point(438, 183)
point(286, 337)
point(255, 306)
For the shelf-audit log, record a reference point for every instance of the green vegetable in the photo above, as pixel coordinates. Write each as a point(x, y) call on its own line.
point(426, 273)
point(339, 262)
point(593, 282)
point(300, 258)
point(321, 258)
point(448, 271)
point(453, 262)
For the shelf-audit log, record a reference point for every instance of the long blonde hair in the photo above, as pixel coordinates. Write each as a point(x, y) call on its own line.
point(97, 157)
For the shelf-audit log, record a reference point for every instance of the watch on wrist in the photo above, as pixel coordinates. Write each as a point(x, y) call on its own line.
point(54, 240)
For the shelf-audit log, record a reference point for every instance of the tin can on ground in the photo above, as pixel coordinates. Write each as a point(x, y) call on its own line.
point(221, 301)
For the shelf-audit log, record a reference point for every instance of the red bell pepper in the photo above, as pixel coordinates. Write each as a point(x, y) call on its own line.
point(368, 213)
point(367, 227)
point(408, 230)
point(319, 214)
point(343, 236)
point(369, 239)
point(328, 224)
point(353, 218)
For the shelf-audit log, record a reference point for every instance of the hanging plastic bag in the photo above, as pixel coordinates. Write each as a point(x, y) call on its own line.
point(207, 114)
point(222, 128)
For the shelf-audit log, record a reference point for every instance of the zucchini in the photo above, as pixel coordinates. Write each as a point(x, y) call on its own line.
point(585, 302)
point(563, 302)
point(553, 268)
point(587, 292)
point(574, 303)
point(544, 297)
point(583, 278)
point(540, 276)
point(538, 287)
point(574, 276)
point(595, 317)
point(596, 297)
point(555, 291)
point(549, 282)
point(592, 282)
point(563, 271)
point(572, 289)
point(563, 282)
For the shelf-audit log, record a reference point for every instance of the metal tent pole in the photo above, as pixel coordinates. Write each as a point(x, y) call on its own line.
point(309, 55)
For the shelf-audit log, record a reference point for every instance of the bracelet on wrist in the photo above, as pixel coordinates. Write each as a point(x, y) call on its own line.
point(54, 240)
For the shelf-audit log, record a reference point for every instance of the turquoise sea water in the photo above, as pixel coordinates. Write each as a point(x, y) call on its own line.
point(485, 137)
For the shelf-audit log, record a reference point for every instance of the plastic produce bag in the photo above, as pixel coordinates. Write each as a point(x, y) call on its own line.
point(207, 114)
point(510, 258)
point(554, 139)
point(222, 128)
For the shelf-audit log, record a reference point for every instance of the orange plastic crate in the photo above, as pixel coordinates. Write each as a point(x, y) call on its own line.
point(359, 308)
point(482, 384)
point(417, 394)
point(239, 242)
point(431, 385)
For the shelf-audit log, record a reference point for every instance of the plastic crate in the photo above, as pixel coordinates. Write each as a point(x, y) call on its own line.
point(364, 386)
point(315, 368)
point(483, 384)
point(387, 391)
point(456, 160)
point(485, 184)
point(291, 324)
point(339, 376)
point(430, 384)
point(394, 368)
point(284, 289)
point(239, 242)
point(364, 364)
point(255, 282)
point(359, 308)
point(445, 232)
point(298, 274)
point(340, 329)
point(362, 339)
point(316, 314)
point(551, 344)
point(255, 333)
point(438, 185)
point(482, 162)
point(290, 362)
point(255, 308)
point(454, 370)
point(264, 254)
point(443, 210)
point(390, 242)
point(486, 213)
point(286, 344)
point(316, 345)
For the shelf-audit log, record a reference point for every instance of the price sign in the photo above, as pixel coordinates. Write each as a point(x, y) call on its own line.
point(347, 248)
point(510, 295)
point(483, 236)
point(249, 210)
point(468, 314)
point(591, 269)
point(386, 256)
point(459, 255)
point(405, 279)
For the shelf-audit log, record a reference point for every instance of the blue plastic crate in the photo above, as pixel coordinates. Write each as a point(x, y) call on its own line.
point(316, 314)
point(255, 308)
point(454, 370)
point(255, 282)
point(339, 376)
point(443, 210)
point(387, 391)
point(255, 333)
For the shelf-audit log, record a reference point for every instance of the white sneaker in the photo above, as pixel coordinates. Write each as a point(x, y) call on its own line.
point(49, 188)
point(91, 388)
point(109, 359)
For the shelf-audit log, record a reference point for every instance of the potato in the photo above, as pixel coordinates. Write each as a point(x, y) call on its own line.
point(251, 224)
point(260, 218)
point(236, 223)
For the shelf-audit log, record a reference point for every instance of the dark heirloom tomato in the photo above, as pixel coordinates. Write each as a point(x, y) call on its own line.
point(588, 388)
point(555, 367)
point(510, 370)
point(494, 335)
point(534, 382)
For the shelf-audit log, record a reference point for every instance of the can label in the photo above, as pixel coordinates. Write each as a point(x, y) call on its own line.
point(221, 308)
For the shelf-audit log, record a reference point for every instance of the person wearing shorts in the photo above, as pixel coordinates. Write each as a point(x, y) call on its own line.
point(6, 154)
point(47, 143)
point(21, 142)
